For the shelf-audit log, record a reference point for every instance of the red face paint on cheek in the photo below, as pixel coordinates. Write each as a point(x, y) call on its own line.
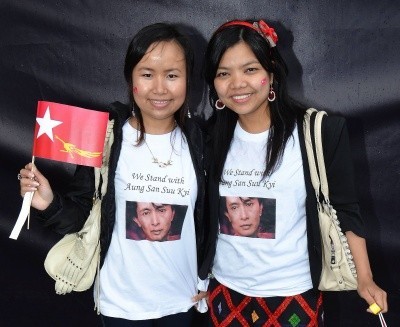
point(264, 81)
point(135, 90)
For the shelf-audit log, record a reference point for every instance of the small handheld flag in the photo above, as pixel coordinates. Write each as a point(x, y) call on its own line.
point(69, 134)
point(65, 133)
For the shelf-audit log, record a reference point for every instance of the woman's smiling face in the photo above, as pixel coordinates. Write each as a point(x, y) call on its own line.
point(159, 81)
point(241, 82)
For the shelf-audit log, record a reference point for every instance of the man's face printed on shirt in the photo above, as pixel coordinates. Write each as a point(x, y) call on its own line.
point(244, 215)
point(155, 219)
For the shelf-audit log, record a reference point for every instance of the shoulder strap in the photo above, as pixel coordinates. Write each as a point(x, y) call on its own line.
point(320, 155)
point(310, 152)
point(316, 161)
point(103, 170)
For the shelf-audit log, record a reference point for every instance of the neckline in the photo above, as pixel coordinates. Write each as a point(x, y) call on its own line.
point(250, 137)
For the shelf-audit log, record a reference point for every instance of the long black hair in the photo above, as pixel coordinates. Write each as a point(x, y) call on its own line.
point(283, 111)
point(138, 47)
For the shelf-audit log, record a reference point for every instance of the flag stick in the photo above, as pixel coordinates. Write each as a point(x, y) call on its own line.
point(29, 213)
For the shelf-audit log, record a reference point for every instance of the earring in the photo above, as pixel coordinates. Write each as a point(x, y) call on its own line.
point(219, 105)
point(271, 94)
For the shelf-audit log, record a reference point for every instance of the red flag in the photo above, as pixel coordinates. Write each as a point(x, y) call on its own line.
point(69, 134)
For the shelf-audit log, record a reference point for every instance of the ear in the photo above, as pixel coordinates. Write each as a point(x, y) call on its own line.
point(137, 222)
point(227, 216)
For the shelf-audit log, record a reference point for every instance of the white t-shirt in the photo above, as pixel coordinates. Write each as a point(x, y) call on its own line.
point(150, 269)
point(262, 241)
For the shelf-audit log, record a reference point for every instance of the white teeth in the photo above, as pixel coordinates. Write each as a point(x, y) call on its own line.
point(241, 97)
point(159, 101)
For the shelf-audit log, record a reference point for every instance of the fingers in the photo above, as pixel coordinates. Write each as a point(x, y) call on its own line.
point(380, 298)
point(376, 299)
point(28, 181)
point(32, 180)
point(201, 295)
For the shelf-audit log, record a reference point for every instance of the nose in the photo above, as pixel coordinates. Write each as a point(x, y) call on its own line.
point(237, 81)
point(154, 219)
point(159, 85)
point(242, 213)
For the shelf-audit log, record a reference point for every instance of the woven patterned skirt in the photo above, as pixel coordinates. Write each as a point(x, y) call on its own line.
point(230, 308)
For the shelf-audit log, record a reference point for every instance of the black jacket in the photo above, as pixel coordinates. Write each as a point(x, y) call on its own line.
point(343, 197)
point(67, 213)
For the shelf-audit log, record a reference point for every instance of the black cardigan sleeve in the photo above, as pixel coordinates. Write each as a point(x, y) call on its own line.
point(68, 213)
point(339, 168)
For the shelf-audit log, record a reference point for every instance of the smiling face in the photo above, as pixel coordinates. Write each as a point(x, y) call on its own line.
point(159, 82)
point(244, 215)
point(242, 83)
point(154, 219)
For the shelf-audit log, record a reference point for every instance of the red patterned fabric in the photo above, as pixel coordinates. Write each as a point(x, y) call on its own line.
point(229, 308)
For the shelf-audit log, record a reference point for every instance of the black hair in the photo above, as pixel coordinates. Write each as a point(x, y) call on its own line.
point(138, 47)
point(283, 111)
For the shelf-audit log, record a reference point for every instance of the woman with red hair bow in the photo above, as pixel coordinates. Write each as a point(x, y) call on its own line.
point(257, 150)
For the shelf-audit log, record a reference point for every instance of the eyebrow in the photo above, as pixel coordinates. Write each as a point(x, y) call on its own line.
point(165, 71)
point(244, 65)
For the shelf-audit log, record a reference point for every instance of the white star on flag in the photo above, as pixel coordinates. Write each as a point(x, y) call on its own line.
point(47, 124)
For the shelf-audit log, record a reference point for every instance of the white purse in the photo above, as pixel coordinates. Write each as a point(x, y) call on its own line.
point(74, 260)
point(338, 268)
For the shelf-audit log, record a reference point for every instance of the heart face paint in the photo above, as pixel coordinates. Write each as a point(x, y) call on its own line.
point(135, 90)
point(263, 81)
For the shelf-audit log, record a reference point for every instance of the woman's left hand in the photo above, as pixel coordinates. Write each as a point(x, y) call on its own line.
point(372, 293)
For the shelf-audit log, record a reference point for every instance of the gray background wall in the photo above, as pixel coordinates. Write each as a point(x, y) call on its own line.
point(342, 57)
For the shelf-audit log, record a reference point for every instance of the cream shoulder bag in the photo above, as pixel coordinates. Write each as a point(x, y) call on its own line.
point(74, 260)
point(338, 269)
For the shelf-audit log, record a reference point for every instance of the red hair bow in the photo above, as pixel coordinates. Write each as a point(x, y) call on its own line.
point(267, 32)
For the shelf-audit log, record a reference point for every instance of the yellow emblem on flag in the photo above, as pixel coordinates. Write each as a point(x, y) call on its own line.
point(71, 149)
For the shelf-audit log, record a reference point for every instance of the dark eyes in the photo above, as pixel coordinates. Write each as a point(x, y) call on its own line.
point(222, 74)
point(246, 71)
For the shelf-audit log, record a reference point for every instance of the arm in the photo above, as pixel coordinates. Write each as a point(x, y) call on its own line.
point(63, 214)
point(343, 197)
point(366, 288)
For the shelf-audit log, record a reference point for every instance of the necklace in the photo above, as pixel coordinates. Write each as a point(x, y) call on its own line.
point(158, 162)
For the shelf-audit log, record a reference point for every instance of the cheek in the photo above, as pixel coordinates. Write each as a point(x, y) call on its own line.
point(135, 90)
point(264, 81)
point(219, 88)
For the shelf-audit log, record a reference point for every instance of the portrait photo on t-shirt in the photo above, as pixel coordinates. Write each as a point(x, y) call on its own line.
point(247, 216)
point(153, 221)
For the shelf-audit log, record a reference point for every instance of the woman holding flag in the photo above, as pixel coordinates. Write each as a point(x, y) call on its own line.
point(157, 158)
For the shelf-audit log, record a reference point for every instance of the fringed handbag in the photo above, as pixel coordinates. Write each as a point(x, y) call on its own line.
point(338, 269)
point(74, 260)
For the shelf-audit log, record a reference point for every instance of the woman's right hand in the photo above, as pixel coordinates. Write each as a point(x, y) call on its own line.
point(33, 181)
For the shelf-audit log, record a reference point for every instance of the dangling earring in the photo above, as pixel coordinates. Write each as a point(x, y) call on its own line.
point(219, 105)
point(271, 94)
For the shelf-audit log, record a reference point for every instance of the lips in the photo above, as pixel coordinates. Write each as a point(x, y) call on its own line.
point(159, 103)
point(156, 232)
point(241, 98)
point(246, 226)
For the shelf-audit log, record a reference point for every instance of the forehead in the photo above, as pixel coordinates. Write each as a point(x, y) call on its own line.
point(238, 54)
point(163, 54)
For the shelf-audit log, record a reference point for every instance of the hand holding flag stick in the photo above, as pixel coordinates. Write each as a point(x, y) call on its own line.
point(78, 138)
point(24, 213)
